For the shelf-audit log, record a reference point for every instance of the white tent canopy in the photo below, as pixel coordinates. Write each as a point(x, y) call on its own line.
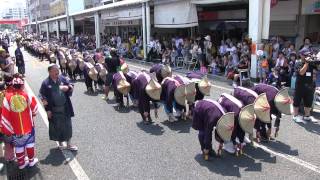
point(180, 14)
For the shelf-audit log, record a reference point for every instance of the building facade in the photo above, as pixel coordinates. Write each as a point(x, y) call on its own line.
point(38, 10)
point(57, 8)
point(225, 18)
point(13, 10)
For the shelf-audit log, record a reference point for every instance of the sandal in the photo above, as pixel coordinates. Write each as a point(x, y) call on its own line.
point(72, 148)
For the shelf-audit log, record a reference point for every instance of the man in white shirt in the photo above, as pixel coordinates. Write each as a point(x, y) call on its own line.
point(223, 48)
point(234, 53)
point(178, 41)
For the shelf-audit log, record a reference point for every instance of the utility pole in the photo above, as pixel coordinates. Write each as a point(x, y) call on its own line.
point(37, 32)
point(67, 13)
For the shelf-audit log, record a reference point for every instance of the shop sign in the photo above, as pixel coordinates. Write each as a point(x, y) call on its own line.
point(222, 15)
point(207, 16)
point(121, 23)
point(311, 7)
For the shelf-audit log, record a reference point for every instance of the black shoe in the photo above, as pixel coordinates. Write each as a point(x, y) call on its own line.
point(212, 153)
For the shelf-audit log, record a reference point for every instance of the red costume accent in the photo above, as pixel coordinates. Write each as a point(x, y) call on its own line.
point(18, 110)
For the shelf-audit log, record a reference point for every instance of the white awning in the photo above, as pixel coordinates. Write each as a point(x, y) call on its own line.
point(181, 14)
point(212, 1)
point(131, 13)
point(110, 6)
point(109, 14)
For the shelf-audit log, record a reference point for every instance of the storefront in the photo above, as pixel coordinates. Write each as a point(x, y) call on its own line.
point(222, 19)
point(122, 21)
point(53, 26)
point(122, 28)
point(84, 24)
point(174, 18)
point(283, 22)
point(310, 10)
point(189, 18)
point(63, 27)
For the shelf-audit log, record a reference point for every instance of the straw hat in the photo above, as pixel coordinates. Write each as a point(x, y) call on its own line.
point(124, 68)
point(81, 64)
point(247, 118)
point(153, 89)
point(225, 126)
point(93, 74)
point(123, 87)
point(72, 65)
point(90, 60)
point(191, 92)
point(52, 58)
point(180, 95)
point(41, 49)
point(208, 38)
point(283, 101)
point(195, 80)
point(2, 50)
point(205, 86)
point(262, 108)
point(166, 71)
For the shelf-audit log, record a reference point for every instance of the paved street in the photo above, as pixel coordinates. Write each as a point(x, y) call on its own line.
point(117, 145)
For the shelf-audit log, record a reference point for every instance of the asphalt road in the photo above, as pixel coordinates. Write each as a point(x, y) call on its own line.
point(117, 145)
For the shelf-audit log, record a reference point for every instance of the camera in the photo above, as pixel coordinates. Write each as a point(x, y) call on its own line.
point(313, 58)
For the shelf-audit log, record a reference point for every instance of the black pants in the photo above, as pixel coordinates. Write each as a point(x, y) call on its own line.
point(41, 56)
point(119, 97)
point(305, 93)
point(88, 81)
point(21, 69)
point(237, 133)
point(205, 140)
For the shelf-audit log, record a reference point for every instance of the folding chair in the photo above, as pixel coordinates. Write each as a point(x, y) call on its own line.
point(179, 61)
point(244, 76)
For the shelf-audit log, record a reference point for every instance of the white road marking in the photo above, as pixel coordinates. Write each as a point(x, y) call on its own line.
point(290, 158)
point(72, 161)
point(265, 148)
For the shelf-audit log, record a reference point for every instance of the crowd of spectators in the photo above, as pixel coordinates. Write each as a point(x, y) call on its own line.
point(275, 62)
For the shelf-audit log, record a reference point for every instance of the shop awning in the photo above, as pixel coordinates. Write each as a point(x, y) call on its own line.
point(109, 14)
point(131, 13)
point(212, 1)
point(181, 14)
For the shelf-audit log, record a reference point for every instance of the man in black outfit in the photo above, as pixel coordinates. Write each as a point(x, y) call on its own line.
point(112, 64)
point(19, 60)
point(305, 87)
